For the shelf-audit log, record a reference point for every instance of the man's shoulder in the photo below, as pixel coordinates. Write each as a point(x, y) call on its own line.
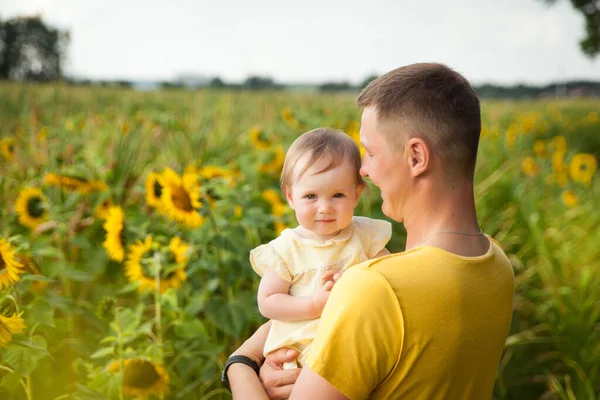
point(363, 277)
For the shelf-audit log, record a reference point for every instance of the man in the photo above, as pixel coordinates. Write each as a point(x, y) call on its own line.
point(430, 322)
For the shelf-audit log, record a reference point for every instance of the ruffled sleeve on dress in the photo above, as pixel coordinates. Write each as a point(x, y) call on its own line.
point(265, 257)
point(375, 233)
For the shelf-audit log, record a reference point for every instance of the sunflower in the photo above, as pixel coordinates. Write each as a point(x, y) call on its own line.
point(559, 143)
point(7, 148)
point(237, 211)
point(10, 267)
point(275, 162)
point(539, 148)
point(569, 198)
point(101, 212)
point(134, 266)
point(31, 207)
point(210, 172)
point(181, 197)
point(280, 227)
point(212, 178)
point(592, 117)
point(9, 326)
point(142, 377)
point(30, 267)
point(583, 167)
point(154, 191)
point(288, 117)
point(271, 196)
point(179, 250)
point(511, 136)
point(258, 139)
point(558, 161)
point(530, 167)
point(115, 238)
point(75, 183)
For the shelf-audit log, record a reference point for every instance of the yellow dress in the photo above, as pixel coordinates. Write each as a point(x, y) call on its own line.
point(302, 262)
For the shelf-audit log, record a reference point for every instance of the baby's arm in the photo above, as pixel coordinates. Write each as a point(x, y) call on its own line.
point(274, 302)
point(383, 252)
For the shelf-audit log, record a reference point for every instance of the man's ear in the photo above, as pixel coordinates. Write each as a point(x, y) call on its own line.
point(287, 192)
point(419, 155)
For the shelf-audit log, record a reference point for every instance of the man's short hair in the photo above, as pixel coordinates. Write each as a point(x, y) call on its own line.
point(433, 102)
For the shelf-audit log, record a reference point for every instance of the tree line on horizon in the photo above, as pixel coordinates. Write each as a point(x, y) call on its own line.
point(32, 50)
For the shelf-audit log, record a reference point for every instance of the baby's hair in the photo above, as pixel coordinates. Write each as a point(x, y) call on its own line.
point(321, 143)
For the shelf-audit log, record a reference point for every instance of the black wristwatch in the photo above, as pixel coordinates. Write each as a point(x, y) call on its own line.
point(237, 359)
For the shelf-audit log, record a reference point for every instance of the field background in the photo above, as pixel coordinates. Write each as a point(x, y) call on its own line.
point(126, 219)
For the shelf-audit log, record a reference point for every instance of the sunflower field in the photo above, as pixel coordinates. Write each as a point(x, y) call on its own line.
point(126, 219)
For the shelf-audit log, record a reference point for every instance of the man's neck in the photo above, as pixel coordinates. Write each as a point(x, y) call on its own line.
point(441, 208)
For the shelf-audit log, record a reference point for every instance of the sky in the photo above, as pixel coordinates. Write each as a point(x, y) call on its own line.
point(314, 41)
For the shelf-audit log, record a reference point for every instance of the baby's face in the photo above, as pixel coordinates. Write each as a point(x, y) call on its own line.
point(324, 202)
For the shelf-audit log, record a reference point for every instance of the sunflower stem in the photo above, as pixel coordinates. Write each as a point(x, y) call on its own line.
point(26, 388)
point(157, 310)
point(120, 341)
point(16, 297)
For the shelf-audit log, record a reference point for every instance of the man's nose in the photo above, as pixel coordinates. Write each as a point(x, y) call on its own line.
point(363, 170)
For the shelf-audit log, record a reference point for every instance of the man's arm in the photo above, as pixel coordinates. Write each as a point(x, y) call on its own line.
point(359, 339)
point(275, 383)
point(312, 386)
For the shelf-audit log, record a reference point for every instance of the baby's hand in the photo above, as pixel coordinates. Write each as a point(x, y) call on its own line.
point(320, 299)
point(332, 276)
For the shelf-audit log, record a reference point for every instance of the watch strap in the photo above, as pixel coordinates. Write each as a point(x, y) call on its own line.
point(237, 359)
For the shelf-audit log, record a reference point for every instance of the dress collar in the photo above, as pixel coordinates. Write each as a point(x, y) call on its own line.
point(341, 237)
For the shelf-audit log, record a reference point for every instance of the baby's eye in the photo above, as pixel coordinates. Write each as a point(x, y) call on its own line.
point(338, 195)
point(310, 196)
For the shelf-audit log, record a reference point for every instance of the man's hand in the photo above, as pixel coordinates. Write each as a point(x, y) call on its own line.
point(254, 345)
point(276, 381)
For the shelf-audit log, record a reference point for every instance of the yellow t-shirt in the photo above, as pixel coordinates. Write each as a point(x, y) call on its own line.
point(423, 324)
point(302, 262)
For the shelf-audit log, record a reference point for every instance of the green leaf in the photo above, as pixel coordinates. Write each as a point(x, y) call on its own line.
point(39, 310)
point(190, 329)
point(169, 300)
point(37, 278)
point(228, 317)
point(106, 351)
point(24, 356)
point(11, 381)
point(130, 287)
point(196, 304)
point(78, 275)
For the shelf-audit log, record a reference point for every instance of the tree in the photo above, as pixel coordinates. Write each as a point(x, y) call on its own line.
point(260, 83)
point(590, 44)
point(31, 50)
point(217, 83)
point(368, 80)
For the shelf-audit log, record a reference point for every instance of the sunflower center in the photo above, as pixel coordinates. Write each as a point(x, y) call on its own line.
point(11, 148)
point(212, 193)
point(263, 138)
point(157, 188)
point(140, 374)
point(181, 199)
point(2, 263)
point(35, 207)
